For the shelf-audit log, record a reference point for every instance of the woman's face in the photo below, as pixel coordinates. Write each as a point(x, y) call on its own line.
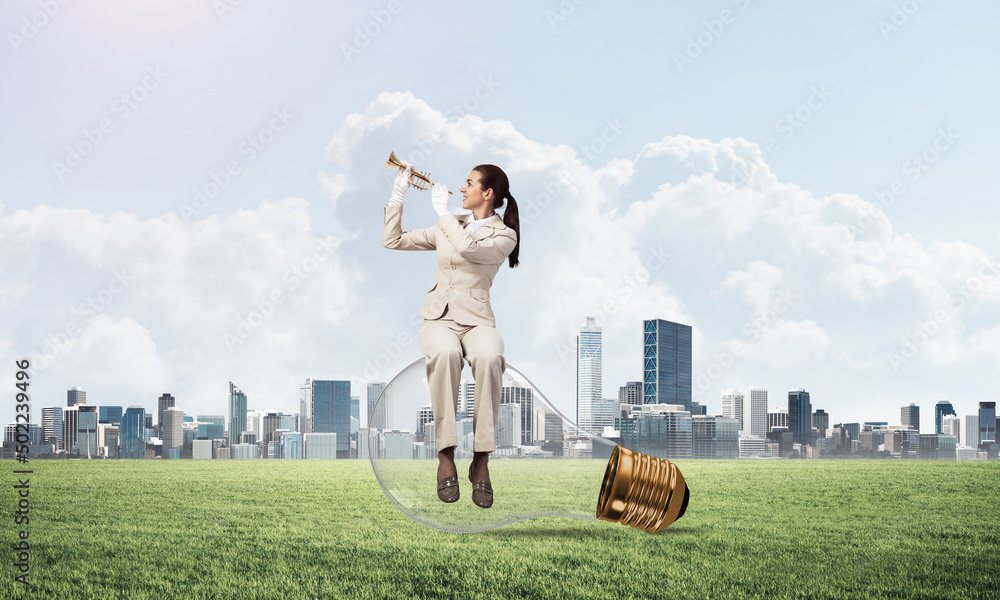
point(473, 195)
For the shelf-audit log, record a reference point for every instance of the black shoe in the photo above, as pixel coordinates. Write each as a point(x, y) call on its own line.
point(448, 489)
point(482, 491)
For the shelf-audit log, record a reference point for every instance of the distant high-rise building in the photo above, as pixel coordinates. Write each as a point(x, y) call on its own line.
point(331, 412)
point(662, 430)
point(942, 408)
point(523, 397)
point(588, 373)
point(71, 424)
point(164, 402)
point(777, 418)
point(972, 431)
point(821, 421)
point(305, 406)
point(131, 436)
point(172, 429)
point(714, 437)
point(356, 408)
point(666, 363)
point(378, 416)
point(86, 435)
point(732, 406)
point(270, 424)
point(951, 425)
point(109, 414)
point(909, 416)
point(237, 414)
point(630, 394)
point(508, 427)
point(425, 415)
point(800, 415)
point(291, 445)
point(466, 399)
point(755, 413)
point(76, 397)
point(219, 420)
point(987, 422)
point(52, 427)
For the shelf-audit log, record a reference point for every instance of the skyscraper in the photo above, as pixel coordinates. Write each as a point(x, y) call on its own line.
point(237, 414)
point(987, 422)
point(630, 394)
point(972, 430)
point(86, 435)
point(755, 413)
point(52, 425)
point(777, 418)
point(71, 422)
point(821, 421)
point(331, 411)
point(378, 416)
point(523, 397)
point(164, 402)
point(800, 416)
point(952, 425)
point(132, 433)
point(172, 430)
point(909, 416)
point(588, 373)
point(76, 397)
point(732, 406)
point(942, 408)
point(666, 363)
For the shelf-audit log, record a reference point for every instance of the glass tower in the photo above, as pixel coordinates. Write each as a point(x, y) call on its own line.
point(237, 414)
point(666, 363)
point(588, 373)
point(332, 412)
point(800, 416)
point(941, 409)
point(131, 434)
point(987, 422)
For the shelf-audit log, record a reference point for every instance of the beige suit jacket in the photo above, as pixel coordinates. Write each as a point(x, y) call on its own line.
point(466, 264)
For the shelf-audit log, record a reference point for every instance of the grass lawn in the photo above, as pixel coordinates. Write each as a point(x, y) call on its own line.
point(323, 529)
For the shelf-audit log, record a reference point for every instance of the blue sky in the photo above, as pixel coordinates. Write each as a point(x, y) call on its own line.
point(755, 144)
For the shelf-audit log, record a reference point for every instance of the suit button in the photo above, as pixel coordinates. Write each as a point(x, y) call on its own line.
point(451, 287)
point(453, 267)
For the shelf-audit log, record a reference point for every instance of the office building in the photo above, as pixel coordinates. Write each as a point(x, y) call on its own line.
point(379, 413)
point(164, 402)
point(244, 451)
point(588, 373)
point(777, 418)
point(603, 413)
point(714, 437)
point(131, 436)
point(972, 430)
point(662, 430)
point(755, 412)
point(111, 415)
point(331, 410)
point(909, 416)
point(270, 424)
point(291, 445)
point(466, 399)
point(942, 408)
point(71, 424)
point(398, 444)
point(172, 430)
point(508, 428)
point(76, 397)
point(237, 415)
point(523, 397)
point(111, 439)
point(52, 425)
point(320, 445)
point(820, 422)
point(86, 435)
point(666, 363)
point(987, 422)
point(630, 394)
point(201, 449)
point(800, 416)
point(952, 425)
point(732, 406)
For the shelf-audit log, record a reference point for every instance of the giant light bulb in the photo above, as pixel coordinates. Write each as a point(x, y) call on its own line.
point(570, 474)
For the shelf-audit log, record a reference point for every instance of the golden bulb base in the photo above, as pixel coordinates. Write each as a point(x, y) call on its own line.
point(642, 491)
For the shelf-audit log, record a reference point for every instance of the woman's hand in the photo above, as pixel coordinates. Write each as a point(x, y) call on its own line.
point(439, 199)
point(399, 187)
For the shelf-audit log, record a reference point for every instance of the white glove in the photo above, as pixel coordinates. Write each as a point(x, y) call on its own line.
point(399, 187)
point(439, 199)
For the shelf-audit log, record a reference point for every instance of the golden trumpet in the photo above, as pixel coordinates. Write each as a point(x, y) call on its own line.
point(421, 181)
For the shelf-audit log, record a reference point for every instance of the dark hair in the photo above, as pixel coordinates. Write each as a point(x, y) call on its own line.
point(493, 177)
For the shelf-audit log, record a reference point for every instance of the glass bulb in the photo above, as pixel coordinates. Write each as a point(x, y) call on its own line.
point(572, 473)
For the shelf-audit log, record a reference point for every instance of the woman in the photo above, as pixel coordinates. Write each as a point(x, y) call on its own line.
point(458, 319)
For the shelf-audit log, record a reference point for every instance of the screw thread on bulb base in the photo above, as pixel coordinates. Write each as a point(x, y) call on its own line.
point(642, 491)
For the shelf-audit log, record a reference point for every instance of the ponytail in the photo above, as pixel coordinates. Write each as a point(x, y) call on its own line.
point(510, 220)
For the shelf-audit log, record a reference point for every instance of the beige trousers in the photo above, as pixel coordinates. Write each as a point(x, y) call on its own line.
point(445, 343)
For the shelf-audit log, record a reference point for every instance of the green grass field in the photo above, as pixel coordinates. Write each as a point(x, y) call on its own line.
point(323, 529)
